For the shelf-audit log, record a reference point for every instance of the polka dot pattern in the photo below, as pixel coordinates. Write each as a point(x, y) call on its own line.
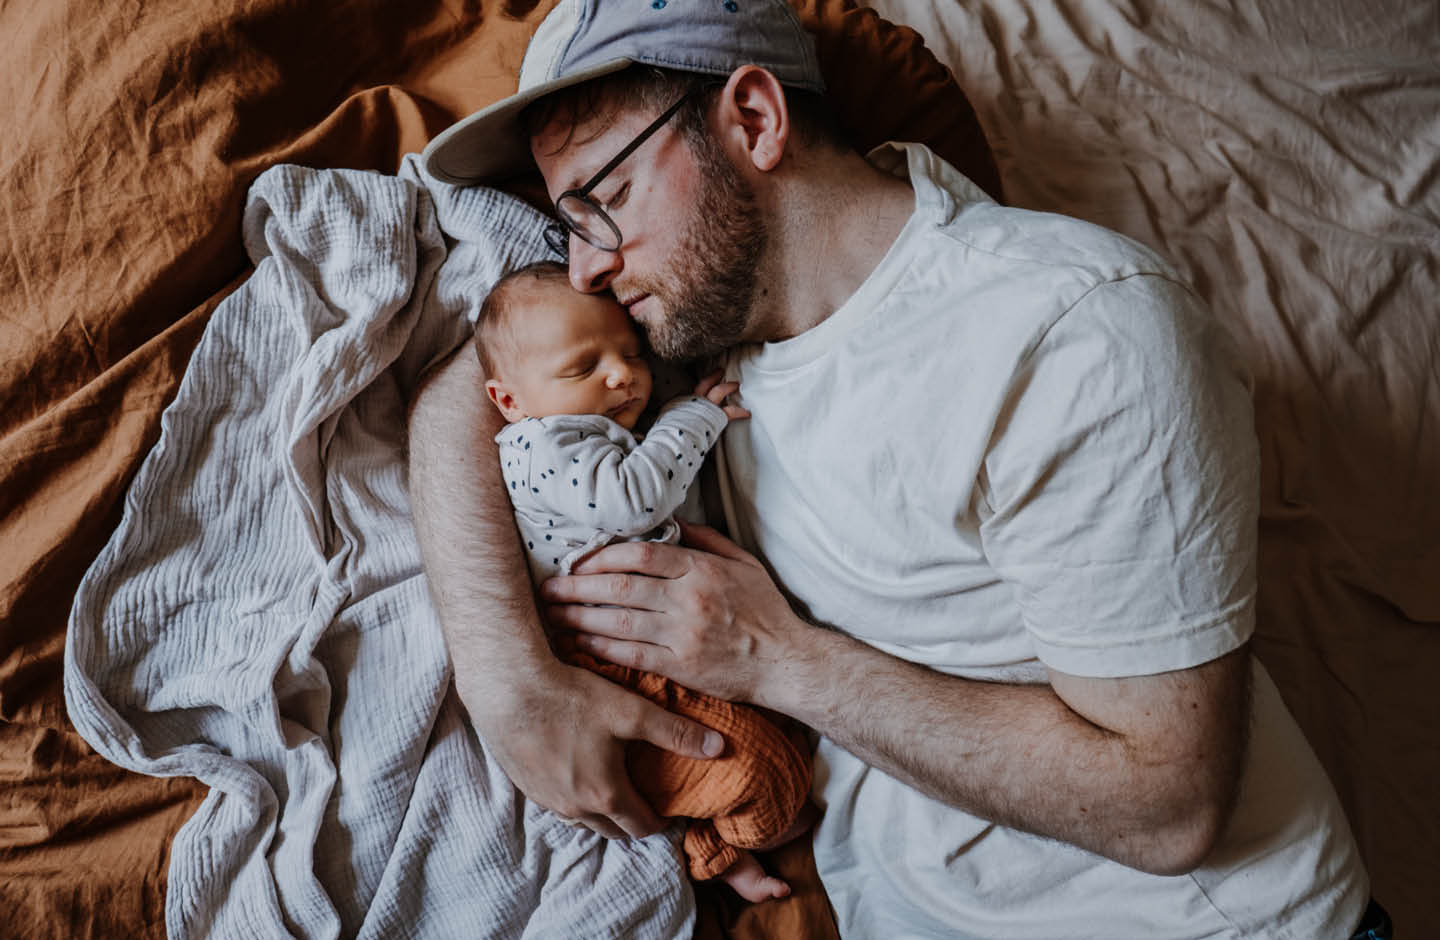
point(618, 487)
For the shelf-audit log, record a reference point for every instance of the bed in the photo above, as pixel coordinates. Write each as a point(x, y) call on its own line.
point(1285, 156)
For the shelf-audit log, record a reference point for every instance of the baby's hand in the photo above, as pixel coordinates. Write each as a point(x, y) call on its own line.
point(712, 388)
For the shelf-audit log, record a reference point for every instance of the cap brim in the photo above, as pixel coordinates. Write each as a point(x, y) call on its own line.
point(490, 145)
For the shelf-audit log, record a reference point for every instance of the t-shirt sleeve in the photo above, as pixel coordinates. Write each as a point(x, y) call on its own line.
point(1121, 486)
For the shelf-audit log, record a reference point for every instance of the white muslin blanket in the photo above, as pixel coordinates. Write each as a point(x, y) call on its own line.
point(259, 620)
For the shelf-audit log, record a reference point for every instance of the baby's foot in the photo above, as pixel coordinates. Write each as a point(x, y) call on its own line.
point(749, 880)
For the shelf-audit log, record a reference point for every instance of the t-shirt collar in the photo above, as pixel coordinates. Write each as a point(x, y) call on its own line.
point(933, 206)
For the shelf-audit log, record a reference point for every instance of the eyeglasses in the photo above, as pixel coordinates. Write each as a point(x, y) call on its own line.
point(581, 214)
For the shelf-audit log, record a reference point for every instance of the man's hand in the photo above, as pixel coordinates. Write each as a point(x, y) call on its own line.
point(706, 615)
point(562, 742)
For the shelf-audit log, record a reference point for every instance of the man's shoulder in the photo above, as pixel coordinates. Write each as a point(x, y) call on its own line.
point(1019, 272)
point(1015, 240)
point(1005, 277)
point(1055, 248)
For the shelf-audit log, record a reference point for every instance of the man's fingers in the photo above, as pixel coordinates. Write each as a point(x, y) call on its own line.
point(629, 814)
point(617, 827)
point(635, 819)
point(621, 623)
point(618, 810)
point(598, 824)
point(671, 732)
point(655, 559)
point(637, 655)
point(635, 594)
point(708, 540)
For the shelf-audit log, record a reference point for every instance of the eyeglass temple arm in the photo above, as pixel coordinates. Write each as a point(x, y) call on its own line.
point(630, 147)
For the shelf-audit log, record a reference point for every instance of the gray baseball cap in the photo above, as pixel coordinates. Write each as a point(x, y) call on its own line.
point(584, 39)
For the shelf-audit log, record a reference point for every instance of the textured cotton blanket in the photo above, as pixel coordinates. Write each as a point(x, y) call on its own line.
point(259, 620)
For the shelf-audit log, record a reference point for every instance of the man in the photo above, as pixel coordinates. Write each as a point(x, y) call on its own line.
point(999, 462)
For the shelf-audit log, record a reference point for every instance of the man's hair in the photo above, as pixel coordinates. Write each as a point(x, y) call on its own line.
point(493, 325)
point(651, 90)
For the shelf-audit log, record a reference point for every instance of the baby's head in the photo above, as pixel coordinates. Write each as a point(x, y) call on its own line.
point(548, 349)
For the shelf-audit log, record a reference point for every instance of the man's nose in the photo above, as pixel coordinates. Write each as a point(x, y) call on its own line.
point(592, 270)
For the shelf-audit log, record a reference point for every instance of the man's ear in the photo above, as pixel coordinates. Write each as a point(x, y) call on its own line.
point(753, 117)
point(504, 399)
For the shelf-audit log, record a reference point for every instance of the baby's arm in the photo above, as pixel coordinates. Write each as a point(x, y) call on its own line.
point(593, 478)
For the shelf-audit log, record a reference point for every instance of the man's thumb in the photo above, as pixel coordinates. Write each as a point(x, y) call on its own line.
point(671, 732)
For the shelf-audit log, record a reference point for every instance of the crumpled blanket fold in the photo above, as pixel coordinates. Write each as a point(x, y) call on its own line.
point(259, 620)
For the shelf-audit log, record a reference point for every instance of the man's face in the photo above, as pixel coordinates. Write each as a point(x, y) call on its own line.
point(692, 233)
point(574, 354)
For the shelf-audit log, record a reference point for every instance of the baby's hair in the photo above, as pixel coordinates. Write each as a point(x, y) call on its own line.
point(491, 326)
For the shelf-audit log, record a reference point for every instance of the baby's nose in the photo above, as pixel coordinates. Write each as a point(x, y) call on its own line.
point(620, 375)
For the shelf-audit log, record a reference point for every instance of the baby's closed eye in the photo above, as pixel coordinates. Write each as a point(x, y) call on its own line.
point(578, 370)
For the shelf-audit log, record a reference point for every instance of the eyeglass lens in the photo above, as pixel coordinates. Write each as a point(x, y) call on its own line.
point(557, 238)
point(584, 216)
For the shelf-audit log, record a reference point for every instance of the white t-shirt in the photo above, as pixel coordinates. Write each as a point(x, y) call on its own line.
point(1022, 443)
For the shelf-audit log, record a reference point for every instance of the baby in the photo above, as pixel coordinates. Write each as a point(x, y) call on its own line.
point(568, 372)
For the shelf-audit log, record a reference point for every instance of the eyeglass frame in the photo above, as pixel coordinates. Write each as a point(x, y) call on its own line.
point(557, 233)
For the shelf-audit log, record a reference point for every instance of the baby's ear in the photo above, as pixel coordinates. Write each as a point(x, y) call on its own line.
point(503, 399)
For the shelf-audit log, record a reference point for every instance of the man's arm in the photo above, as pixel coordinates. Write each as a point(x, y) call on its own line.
point(1141, 770)
point(558, 732)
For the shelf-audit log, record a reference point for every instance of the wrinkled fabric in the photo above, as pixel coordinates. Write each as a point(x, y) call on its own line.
point(1285, 157)
point(260, 620)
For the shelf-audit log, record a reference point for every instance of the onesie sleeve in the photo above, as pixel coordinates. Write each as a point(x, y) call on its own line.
point(1121, 486)
point(610, 483)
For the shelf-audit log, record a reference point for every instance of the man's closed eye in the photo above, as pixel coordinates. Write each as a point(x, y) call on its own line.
point(617, 200)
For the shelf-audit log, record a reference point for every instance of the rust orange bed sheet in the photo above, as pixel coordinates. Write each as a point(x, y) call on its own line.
point(131, 133)
point(1285, 155)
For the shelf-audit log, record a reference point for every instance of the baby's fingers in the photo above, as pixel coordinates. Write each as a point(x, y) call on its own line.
point(703, 387)
point(720, 392)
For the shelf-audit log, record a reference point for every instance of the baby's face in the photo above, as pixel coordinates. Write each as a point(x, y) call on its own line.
point(576, 354)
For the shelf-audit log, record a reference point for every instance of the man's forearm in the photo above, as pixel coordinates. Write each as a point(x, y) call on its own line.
point(1143, 770)
point(466, 530)
point(1144, 785)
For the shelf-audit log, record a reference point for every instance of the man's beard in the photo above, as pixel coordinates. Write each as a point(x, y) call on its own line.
point(708, 295)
